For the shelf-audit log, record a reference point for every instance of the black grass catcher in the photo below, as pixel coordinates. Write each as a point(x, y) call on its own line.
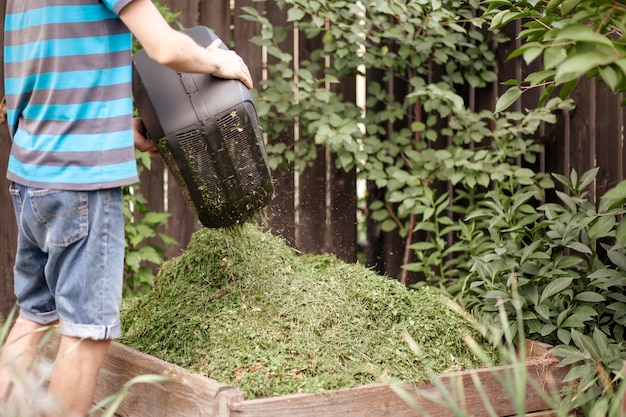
point(208, 133)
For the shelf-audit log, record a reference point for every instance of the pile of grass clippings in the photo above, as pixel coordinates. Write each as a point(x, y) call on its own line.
point(241, 307)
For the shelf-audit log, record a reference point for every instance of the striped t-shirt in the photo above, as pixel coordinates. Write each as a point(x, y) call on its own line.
point(69, 94)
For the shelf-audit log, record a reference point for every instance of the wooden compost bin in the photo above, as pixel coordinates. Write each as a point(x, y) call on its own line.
point(193, 395)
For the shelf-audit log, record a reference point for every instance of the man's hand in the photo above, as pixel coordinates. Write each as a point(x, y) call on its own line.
point(231, 66)
point(142, 143)
point(3, 110)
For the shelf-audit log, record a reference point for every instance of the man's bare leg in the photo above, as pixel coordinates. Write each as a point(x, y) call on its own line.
point(19, 352)
point(73, 381)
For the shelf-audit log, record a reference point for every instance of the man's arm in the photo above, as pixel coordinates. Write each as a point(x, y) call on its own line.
point(178, 51)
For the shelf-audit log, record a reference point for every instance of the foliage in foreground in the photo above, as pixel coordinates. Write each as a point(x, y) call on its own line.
point(243, 308)
point(31, 398)
point(567, 261)
point(515, 379)
point(29, 395)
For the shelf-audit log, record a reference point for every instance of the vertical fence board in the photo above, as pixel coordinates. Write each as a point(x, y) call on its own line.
point(393, 246)
point(620, 152)
point(151, 185)
point(380, 246)
point(609, 126)
point(312, 223)
point(508, 69)
point(8, 227)
point(216, 14)
point(183, 222)
point(311, 227)
point(281, 211)
point(583, 125)
point(189, 11)
point(342, 221)
point(245, 31)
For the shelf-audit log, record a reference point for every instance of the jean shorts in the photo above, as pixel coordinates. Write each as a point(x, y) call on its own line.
point(70, 259)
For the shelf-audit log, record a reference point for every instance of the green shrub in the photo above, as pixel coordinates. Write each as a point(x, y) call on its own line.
point(567, 261)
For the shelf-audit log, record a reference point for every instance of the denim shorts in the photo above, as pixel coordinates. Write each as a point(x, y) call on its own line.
point(70, 259)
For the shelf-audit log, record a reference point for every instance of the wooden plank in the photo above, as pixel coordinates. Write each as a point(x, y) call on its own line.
point(582, 149)
point(8, 230)
point(620, 153)
point(216, 15)
point(244, 31)
point(312, 225)
point(152, 188)
point(509, 68)
point(184, 221)
point(342, 219)
point(151, 184)
point(376, 401)
point(557, 144)
point(380, 400)
point(384, 251)
point(186, 396)
point(197, 396)
point(609, 128)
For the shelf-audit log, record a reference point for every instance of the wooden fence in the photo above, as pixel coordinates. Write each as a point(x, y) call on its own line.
point(320, 215)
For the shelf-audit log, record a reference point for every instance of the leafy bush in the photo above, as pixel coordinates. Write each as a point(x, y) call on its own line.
point(444, 185)
point(567, 262)
point(141, 252)
point(516, 380)
point(401, 41)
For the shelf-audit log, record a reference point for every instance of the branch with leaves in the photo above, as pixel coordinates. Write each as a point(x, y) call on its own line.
point(571, 38)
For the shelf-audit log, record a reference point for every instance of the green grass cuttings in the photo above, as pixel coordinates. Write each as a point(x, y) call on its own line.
point(241, 307)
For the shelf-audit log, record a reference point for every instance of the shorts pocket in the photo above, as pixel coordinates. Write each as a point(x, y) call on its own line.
point(64, 214)
point(17, 201)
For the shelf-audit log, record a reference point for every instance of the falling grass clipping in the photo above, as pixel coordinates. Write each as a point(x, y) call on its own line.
point(243, 308)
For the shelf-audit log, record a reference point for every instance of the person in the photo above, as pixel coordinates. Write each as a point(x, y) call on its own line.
point(68, 74)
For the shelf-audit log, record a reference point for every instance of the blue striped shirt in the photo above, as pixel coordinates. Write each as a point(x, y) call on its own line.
point(68, 83)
